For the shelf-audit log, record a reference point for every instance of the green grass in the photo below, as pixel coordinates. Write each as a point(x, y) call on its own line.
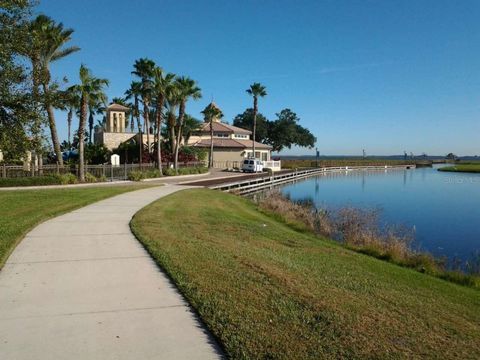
point(21, 210)
point(467, 168)
point(267, 291)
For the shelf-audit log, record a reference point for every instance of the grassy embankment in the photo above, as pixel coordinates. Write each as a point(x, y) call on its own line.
point(269, 291)
point(21, 210)
point(466, 168)
point(292, 164)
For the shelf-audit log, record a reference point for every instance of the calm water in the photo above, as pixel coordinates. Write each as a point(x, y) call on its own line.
point(443, 207)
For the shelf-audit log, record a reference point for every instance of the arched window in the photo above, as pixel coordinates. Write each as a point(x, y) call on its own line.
point(114, 122)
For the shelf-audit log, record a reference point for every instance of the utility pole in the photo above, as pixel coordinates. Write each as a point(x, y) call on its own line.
point(317, 155)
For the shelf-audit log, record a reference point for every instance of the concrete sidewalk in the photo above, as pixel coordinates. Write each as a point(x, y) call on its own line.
point(80, 286)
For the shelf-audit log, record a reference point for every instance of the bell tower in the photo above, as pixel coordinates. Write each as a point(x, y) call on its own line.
point(116, 118)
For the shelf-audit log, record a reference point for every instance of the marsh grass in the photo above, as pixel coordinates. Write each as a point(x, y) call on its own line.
point(465, 168)
point(360, 230)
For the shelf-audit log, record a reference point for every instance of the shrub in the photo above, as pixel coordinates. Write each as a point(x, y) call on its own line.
point(169, 172)
point(136, 175)
point(186, 171)
point(102, 178)
point(30, 181)
point(65, 179)
point(154, 173)
point(89, 178)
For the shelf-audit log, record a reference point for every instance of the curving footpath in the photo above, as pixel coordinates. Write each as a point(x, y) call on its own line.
point(80, 286)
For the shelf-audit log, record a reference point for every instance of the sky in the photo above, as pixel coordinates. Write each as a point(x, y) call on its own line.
point(386, 76)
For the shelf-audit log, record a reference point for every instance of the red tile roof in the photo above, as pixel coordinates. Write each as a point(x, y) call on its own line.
point(117, 107)
point(222, 127)
point(231, 143)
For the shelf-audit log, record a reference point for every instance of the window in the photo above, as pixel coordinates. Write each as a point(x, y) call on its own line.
point(220, 135)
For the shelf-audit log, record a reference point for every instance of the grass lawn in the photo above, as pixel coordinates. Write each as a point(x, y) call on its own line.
point(268, 291)
point(21, 210)
point(468, 168)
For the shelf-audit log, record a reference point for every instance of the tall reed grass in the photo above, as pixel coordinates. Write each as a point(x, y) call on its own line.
point(361, 230)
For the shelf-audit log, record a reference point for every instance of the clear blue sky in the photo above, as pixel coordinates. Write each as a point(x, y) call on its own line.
point(384, 75)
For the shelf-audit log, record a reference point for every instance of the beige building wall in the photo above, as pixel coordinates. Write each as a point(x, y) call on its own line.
point(230, 158)
point(112, 140)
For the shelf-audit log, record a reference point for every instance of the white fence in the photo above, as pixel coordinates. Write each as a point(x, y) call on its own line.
point(274, 165)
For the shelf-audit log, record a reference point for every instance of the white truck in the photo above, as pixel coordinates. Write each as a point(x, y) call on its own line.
point(252, 165)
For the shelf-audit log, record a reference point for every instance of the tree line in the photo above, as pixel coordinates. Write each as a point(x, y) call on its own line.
point(157, 100)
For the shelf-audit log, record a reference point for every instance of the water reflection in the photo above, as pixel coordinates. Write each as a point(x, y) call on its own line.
point(442, 207)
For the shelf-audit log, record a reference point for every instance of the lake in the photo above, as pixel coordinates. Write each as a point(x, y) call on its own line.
point(442, 207)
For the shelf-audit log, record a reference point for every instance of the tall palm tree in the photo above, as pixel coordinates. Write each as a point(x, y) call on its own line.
point(89, 88)
point(72, 103)
point(190, 125)
point(144, 68)
point(211, 112)
point(256, 90)
point(187, 89)
point(171, 105)
point(47, 44)
point(161, 84)
point(96, 106)
point(134, 92)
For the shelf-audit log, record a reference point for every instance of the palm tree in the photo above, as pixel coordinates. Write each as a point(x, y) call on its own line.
point(211, 113)
point(187, 89)
point(190, 125)
point(171, 105)
point(47, 41)
point(144, 68)
point(161, 84)
point(96, 106)
point(89, 88)
point(72, 103)
point(135, 93)
point(256, 90)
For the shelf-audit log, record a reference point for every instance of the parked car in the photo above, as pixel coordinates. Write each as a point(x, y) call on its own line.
point(252, 165)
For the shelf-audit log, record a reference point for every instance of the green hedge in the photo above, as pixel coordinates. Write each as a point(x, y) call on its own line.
point(48, 180)
point(150, 174)
point(30, 181)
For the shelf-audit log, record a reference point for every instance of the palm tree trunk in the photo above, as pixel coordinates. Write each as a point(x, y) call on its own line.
point(181, 116)
point(147, 124)
point(69, 124)
point(255, 109)
point(81, 139)
point(210, 162)
point(90, 127)
point(53, 128)
point(159, 126)
point(172, 137)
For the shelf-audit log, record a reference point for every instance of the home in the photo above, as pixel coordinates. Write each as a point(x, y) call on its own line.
point(231, 144)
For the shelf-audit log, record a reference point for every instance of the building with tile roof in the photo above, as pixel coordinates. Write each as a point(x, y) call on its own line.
point(231, 144)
